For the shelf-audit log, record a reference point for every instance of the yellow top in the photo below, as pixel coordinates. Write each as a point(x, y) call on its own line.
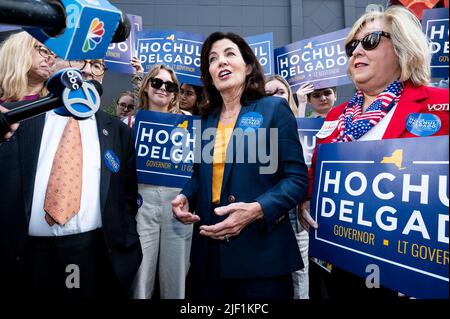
point(223, 135)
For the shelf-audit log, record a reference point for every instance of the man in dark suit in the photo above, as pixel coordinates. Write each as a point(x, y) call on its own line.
point(96, 253)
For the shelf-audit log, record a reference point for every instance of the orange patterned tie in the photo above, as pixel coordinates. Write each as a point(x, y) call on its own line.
point(63, 196)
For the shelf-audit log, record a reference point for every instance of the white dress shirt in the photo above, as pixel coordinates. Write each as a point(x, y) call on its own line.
point(89, 216)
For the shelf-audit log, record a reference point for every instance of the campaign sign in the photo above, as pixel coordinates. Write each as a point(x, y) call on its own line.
point(262, 46)
point(435, 26)
point(383, 212)
point(119, 55)
point(307, 129)
point(178, 50)
point(319, 60)
point(164, 148)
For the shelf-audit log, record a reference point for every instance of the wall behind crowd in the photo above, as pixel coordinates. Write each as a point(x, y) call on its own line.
point(289, 20)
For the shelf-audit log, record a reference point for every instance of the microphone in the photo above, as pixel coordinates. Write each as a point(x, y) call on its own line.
point(69, 96)
point(73, 29)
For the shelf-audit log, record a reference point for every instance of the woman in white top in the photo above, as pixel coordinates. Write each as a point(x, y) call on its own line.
point(165, 242)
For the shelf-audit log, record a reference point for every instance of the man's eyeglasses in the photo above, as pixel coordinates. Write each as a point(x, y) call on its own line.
point(369, 42)
point(157, 83)
point(97, 67)
point(43, 51)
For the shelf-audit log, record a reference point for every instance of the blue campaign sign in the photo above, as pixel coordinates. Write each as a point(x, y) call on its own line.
point(262, 46)
point(164, 148)
point(119, 55)
point(178, 50)
point(383, 210)
point(320, 60)
point(435, 26)
point(307, 129)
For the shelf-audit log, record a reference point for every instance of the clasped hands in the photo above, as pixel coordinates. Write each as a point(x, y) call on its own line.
point(239, 216)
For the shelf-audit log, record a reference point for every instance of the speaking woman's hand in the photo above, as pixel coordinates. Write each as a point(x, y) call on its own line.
point(239, 216)
point(305, 217)
point(180, 210)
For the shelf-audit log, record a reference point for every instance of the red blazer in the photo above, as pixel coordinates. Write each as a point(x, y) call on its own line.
point(414, 99)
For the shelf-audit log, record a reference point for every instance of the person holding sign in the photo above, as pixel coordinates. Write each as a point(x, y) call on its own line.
point(389, 62)
point(276, 85)
point(165, 242)
point(321, 100)
point(243, 246)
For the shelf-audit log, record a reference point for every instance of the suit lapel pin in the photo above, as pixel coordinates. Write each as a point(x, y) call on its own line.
point(105, 132)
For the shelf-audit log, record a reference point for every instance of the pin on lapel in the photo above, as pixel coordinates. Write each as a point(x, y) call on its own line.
point(105, 132)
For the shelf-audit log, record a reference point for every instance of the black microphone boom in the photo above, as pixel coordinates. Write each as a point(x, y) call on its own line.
point(48, 15)
point(31, 109)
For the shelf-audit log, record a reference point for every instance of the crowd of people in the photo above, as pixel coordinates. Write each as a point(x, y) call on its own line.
point(231, 231)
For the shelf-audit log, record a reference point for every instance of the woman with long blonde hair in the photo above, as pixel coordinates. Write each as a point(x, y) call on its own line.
point(25, 65)
point(165, 242)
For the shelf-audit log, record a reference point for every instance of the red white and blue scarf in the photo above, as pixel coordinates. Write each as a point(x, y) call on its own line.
point(352, 123)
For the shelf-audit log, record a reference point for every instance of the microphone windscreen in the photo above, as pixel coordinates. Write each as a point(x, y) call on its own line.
point(123, 29)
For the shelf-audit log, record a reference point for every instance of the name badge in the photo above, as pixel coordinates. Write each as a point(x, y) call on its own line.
point(139, 200)
point(327, 128)
point(423, 124)
point(112, 161)
point(250, 121)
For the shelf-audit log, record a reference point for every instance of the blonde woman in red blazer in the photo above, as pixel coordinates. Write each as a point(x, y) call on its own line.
point(389, 62)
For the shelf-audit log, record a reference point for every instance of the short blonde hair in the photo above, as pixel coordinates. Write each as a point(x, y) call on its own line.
point(411, 46)
point(291, 102)
point(143, 99)
point(16, 59)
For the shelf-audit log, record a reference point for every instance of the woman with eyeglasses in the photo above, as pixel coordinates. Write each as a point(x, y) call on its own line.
point(165, 242)
point(125, 106)
point(389, 62)
point(25, 65)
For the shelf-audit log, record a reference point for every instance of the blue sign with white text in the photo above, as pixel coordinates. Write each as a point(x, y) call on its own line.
point(178, 50)
point(435, 26)
point(320, 60)
point(262, 46)
point(119, 55)
point(307, 129)
point(384, 206)
point(164, 148)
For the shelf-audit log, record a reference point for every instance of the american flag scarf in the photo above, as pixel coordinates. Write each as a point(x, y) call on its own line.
point(352, 123)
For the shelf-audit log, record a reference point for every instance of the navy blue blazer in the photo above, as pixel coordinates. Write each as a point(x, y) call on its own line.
point(118, 199)
point(266, 247)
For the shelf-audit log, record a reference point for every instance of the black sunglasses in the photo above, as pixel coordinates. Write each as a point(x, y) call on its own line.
point(158, 83)
point(369, 42)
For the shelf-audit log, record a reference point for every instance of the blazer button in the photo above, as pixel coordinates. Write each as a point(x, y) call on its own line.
point(231, 198)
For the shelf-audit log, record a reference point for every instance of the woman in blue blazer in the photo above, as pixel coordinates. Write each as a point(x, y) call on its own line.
point(249, 174)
